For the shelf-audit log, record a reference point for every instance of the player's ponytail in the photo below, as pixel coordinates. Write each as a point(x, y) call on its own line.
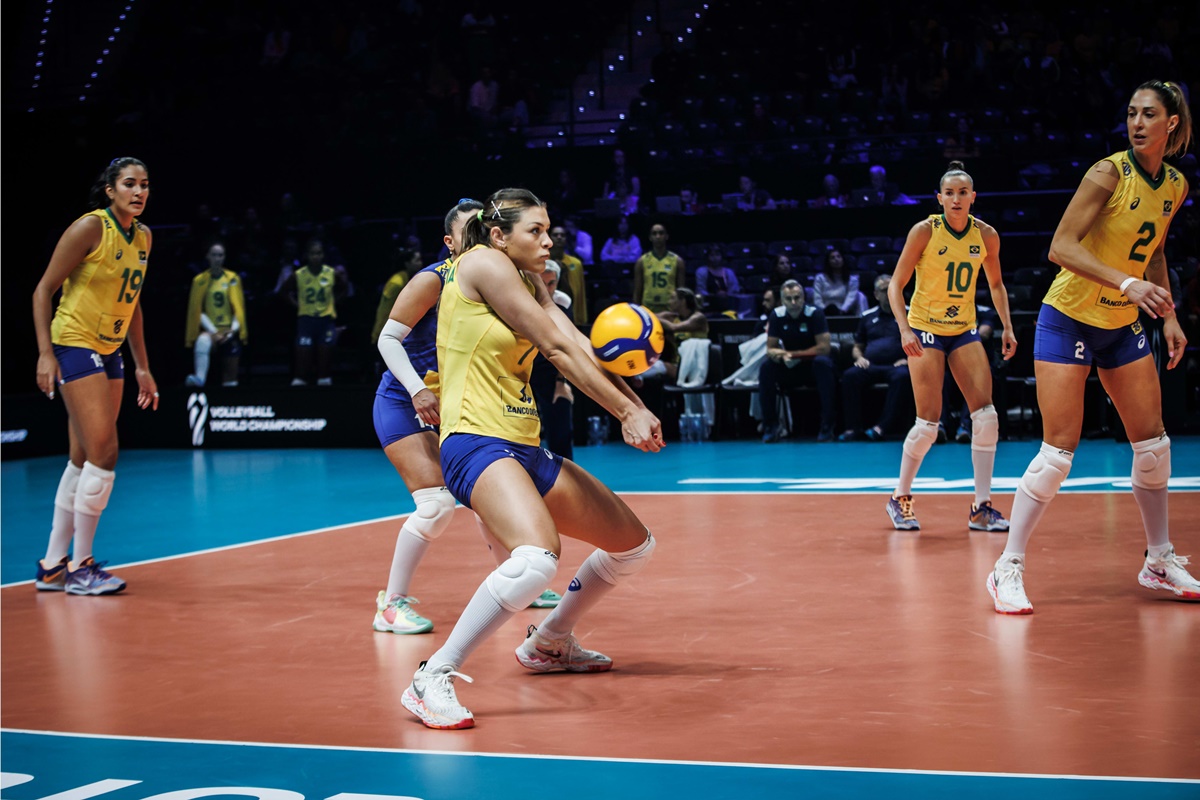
point(501, 210)
point(956, 169)
point(1171, 96)
point(98, 198)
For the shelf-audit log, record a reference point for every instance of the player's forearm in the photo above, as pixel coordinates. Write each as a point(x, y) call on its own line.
point(137, 340)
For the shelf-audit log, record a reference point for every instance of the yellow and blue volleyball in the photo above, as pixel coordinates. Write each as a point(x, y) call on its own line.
point(627, 339)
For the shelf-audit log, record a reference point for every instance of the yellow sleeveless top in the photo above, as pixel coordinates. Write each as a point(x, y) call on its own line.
point(660, 280)
point(1124, 236)
point(100, 295)
point(944, 300)
point(315, 292)
point(483, 368)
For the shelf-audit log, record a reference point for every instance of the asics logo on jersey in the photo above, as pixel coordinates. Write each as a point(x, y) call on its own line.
point(1137, 201)
point(119, 254)
point(942, 252)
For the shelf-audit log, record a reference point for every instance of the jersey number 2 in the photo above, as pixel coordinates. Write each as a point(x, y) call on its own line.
point(1150, 231)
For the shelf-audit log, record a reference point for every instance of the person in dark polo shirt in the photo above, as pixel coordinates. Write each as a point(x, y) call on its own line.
point(878, 356)
point(797, 355)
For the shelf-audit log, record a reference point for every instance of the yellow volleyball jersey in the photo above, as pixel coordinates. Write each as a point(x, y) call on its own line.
point(943, 301)
point(1124, 236)
point(315, 292)
point(217, 304)
point(484, 368)
point(660, 280)
point(100, 295)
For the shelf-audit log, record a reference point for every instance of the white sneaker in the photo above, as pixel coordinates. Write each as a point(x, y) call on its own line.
point(431, 697)
point(1169, 573)
point(546, 655)
point(1006, 585)
point(395, 615)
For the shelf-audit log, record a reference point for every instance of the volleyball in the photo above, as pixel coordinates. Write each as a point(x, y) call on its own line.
point(627, 339)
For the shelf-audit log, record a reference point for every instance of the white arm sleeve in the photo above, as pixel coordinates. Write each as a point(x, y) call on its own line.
point(235, 327)
point(391, 347)
point(207, 323)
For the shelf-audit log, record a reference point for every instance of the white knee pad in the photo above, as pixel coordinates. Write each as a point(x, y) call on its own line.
point(435, 509)
point(985, 428)
point(921, 437)
point(1152, 463)
point(95, 485)
point(67, 486)
point(1046, 472)
point(518, 581)
point(613, 567)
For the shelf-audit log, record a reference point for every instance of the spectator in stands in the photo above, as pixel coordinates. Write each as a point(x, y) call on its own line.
point(565, 200)
point(781, 272)
point(689, 201)
point(579, 241)
point(216, 318)
point(835, 290)
point(313, 290)
point(623, 246)
point(963, 143)
point(682, 320)
point(831, 194)
point(753, 198)
point(878, 356)
point(879, 192)
point(483, 98)
point(715, 282)
point(658, 272)
point(622, 184)
point(571, 275)
point(798, 347)
point(766, 305)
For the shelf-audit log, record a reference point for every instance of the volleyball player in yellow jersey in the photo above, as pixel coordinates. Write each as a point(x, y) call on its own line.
point(947, 251)
point(1109, 244)
point(658, 273)
point(100, 263)
point(494, 312)
point(216, 317)
point(313, 290)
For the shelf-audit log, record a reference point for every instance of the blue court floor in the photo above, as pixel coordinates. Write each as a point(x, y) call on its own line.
point(169, 504)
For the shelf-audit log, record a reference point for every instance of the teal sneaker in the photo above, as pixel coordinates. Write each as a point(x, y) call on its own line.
point(546, 599)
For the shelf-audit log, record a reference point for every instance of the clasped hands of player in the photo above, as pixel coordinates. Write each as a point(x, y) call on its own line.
point(641, 429)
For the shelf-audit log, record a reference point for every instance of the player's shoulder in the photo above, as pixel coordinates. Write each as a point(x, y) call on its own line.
point(984, 228)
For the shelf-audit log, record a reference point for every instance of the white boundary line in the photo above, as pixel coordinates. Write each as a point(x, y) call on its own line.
point(668, 762)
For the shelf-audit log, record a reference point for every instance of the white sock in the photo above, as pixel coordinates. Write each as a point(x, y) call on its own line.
point(482, 617)
point(201, 359)
point(584, 592)
point(409, 550)
point(62, 528)
point(1153, 505)
point(983, 461)
point(1157, 550)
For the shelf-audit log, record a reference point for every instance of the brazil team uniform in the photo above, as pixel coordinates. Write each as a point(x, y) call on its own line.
point(487, 407)
point(314, 295)
point(98, 301)
point(219, 306)
point(942, 310)
point(395, 417)
point(660, 280)
point(1083, 322)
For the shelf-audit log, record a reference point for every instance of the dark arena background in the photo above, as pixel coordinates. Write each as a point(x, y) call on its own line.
point(786, 641)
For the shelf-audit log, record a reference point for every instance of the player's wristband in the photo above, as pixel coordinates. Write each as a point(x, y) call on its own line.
point(1125, 283)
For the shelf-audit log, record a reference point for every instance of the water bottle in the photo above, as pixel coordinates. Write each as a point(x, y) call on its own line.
point(685, 427)
point(702, 428)
point(597, 431)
